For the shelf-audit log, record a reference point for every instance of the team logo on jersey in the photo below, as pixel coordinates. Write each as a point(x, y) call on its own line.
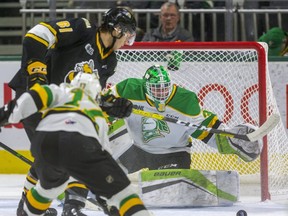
point(89, 49)
point(86, 67)
point(153, 128)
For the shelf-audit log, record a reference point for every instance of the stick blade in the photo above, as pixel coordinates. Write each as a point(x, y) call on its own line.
point(264, 129)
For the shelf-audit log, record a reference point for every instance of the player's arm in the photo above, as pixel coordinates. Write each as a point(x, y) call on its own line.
point(36, 99)
point(45, 36)
point(54, 34)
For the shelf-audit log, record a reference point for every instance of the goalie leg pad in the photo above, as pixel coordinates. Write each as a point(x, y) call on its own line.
point(188, 188)
point(119, 138)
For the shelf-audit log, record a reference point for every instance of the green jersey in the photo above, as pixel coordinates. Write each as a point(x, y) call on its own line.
point(158, 136)
point(64, 108)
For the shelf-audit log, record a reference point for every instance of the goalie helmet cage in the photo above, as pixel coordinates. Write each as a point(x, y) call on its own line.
point(232, 80)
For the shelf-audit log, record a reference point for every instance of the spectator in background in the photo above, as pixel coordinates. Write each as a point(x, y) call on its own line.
point(169, 29)
point(251, 33)
point(196, 22)
point(277, 41)
point(154, 17)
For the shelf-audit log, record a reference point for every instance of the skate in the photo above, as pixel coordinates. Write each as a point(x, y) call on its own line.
point(108, 210)
point(21, 212)
point(72, 210)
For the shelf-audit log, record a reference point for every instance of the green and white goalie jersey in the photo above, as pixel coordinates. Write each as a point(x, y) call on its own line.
point(148, 133)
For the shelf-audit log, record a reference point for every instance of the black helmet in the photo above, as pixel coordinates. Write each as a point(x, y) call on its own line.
point(119, 17)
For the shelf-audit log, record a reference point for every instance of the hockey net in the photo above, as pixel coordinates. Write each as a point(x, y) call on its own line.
point(231, 79)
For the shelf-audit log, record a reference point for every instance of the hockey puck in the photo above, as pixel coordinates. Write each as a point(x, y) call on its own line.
point(241, 213)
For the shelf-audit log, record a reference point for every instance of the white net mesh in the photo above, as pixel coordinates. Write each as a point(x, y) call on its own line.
point(227, 83)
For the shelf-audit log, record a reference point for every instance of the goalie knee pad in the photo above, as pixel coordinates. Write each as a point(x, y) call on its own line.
point(246, 150)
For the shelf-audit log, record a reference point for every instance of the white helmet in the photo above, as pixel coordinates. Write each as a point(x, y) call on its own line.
point(89, 82)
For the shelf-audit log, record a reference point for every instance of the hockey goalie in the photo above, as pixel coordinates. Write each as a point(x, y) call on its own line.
point(156, 153)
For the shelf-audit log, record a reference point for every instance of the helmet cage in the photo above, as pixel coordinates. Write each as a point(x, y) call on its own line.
point(158, 84)
point(159, 92)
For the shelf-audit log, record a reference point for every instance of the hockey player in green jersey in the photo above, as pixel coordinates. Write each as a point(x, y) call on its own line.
point(51, 49)
point(71, 140)
point(161, 146)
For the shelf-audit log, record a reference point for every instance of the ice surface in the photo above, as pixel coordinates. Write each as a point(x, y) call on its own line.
point(11, 188)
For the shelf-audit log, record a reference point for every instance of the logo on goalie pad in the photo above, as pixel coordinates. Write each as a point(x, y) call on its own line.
point(173, 173)
point(188, 187)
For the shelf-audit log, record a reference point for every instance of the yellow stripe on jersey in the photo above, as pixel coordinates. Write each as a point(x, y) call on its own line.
point(43, 94)
point(76, 184)
point(212, 122)
point(39, 39)
point(101, 49)
point(172, 94)
point(204, 134)
point(35, 203)
point(129, 204)
point(52, 30)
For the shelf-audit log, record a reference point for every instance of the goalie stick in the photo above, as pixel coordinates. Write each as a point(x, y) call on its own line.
point(263, 130)
point(91, 203)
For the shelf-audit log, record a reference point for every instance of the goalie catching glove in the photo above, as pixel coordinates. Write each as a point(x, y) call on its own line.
point(37, 71)
point(116, 106)
point(246, 150)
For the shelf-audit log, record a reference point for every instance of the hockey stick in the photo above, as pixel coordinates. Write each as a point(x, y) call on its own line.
point(263, 130)
point(91, 204)
point(18, 155)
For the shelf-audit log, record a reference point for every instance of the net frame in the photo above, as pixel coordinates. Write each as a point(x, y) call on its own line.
point(262, 84)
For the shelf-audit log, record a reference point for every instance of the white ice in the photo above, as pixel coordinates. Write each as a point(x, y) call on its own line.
point(11, 188)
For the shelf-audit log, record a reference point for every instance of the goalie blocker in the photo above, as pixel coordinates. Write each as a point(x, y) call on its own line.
point(186, 187)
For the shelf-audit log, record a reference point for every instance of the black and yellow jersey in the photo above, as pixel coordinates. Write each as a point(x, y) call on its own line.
point(62, 44)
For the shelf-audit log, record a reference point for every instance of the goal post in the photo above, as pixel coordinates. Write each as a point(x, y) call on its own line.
point(232, 80)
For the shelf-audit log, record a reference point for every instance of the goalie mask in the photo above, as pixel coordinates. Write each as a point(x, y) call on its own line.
point(89, 82)
point(157, 86)
point(123, 22)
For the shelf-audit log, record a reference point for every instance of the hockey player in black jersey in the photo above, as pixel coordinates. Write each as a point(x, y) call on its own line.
point(51, 49)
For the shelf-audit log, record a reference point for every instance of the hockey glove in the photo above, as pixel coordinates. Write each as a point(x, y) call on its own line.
point(246, 150)
point(37, 71)
point(5, 112)
point(116, 107)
